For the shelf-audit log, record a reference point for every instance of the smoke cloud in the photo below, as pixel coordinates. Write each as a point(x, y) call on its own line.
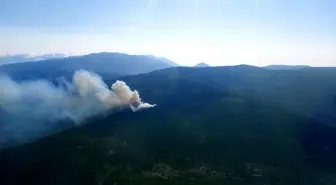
point(29, 108)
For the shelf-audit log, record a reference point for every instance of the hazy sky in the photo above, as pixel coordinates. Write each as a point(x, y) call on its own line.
point(218, 32)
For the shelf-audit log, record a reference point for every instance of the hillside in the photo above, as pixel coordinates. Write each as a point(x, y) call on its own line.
point(310, 92)
point(107, 64)
point(211, 126)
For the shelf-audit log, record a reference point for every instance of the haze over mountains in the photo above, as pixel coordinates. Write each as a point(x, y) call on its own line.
point(18, 66)
point(286, 67)
point(10, 59)
point(233, 125)
point(111, 64)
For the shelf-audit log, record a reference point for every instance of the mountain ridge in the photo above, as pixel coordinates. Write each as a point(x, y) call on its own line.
point(19, 58)
point(114, 64)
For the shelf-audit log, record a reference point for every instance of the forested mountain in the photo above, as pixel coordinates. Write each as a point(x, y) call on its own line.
point(233, 125)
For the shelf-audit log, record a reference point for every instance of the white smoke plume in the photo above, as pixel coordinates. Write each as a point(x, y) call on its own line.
point(29, 106)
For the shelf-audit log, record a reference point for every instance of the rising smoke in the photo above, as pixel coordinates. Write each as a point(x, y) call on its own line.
point(30, 107)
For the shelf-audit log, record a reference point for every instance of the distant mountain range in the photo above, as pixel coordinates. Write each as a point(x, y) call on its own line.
point(163, 59)
point(286, 67)
point(11, 59)
point(107, 64)
point(202, 64)
point(272, 67)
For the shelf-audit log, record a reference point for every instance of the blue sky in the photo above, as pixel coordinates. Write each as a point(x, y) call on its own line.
point(219, 32)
